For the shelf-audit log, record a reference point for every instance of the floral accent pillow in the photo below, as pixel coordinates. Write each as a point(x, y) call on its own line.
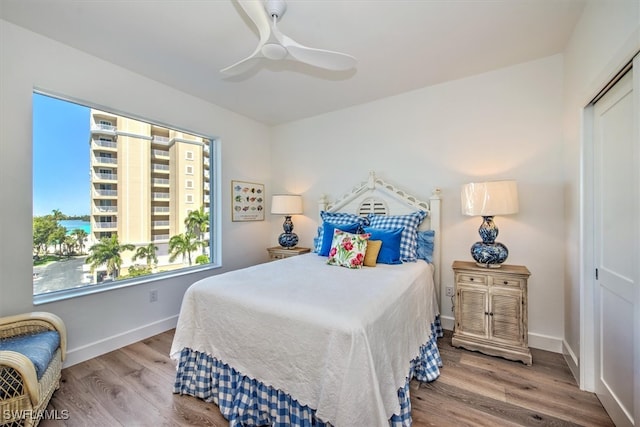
point(348, 249)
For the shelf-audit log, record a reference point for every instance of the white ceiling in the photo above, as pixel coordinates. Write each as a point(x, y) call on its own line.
point(400, 45)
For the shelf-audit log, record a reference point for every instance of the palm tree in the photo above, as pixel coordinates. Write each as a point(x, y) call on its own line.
point(183, 244)
point(69, 244)
point(57, 214)
point(197, 223)
point(148, 253)
point(80, 235)
point(107, 252)
point(57, 238)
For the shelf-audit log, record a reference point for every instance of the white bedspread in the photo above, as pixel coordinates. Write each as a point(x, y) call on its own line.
point(335, 339)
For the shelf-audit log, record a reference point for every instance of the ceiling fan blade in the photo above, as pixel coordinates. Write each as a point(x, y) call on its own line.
point(321, 58)
point(243, 65)
point(255, 11)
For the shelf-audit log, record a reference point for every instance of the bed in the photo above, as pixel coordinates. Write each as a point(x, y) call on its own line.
point(301, 342)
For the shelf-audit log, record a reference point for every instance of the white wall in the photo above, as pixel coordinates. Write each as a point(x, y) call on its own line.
point(502, 124)
point(606, 37)
point(104, 321)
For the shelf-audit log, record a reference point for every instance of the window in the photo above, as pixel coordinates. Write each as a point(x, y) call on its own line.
point(189, 155)
point(121, 222)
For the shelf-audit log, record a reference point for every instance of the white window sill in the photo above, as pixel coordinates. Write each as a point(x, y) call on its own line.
point(83, 290)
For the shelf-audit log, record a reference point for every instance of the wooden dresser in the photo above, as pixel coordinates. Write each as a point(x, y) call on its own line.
point(490, 310)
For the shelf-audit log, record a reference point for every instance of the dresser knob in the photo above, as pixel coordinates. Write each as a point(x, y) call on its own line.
point(505, 282)
point(471, 278)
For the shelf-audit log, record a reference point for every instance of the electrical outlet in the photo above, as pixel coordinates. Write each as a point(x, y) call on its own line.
point(153, 296)
point(449, 291)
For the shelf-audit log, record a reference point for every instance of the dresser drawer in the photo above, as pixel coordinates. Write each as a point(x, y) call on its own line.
point(507, 281)
point(477, 279)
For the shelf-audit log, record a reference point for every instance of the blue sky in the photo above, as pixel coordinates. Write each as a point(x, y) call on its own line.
point(60, 156)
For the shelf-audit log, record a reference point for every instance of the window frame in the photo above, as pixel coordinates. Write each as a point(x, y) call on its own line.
point(215, 215)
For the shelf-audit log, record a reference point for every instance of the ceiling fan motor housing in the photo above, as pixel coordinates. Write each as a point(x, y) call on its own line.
point(275, 8)
point(274, 51)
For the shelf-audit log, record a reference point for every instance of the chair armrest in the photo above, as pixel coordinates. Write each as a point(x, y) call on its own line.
point(27, 371)
point(36, 321)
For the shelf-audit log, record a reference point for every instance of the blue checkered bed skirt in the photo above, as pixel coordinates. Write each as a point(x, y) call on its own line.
point(244, 401)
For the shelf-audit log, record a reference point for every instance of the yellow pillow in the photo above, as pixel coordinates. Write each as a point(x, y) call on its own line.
point(370, 257)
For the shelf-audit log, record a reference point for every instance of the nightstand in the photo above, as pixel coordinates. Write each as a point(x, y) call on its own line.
point(278, 252)
point(491, 310)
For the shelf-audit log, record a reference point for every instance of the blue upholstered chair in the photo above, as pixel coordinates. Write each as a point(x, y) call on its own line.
point(32, 349)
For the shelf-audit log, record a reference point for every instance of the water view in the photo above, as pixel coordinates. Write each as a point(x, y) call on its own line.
point(73, 224)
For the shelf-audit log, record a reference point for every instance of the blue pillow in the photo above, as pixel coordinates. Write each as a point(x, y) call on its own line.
point(410, 222)
point(328, 229)
point(335, 218)
point(425, 245)
point(390, 249)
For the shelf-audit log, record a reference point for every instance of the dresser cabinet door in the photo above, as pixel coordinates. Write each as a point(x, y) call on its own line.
point(471, 311)
point(505, 315)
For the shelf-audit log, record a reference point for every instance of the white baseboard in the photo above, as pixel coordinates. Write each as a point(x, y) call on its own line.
point(447, 322)
point(545, 342)
point(572, 360)
point(97, 348)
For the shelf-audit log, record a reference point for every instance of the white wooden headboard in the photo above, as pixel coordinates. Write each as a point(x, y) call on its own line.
point(379, 197)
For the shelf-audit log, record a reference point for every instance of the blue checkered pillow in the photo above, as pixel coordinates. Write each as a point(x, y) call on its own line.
point(336, 218)
point(408, 239)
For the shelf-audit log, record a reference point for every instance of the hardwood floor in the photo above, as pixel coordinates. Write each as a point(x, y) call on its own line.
point(132, 387)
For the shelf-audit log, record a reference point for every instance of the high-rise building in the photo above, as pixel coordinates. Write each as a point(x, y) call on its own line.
point(145, 179)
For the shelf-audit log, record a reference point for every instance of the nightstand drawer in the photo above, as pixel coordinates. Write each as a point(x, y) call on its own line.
point(477, 279)
point(278, 252)
point(506, 281)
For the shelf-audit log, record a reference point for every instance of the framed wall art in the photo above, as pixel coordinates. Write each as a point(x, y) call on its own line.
point(247, 201)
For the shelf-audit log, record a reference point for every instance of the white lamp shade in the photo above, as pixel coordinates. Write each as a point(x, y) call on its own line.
point(286, 204)
point(490, 198)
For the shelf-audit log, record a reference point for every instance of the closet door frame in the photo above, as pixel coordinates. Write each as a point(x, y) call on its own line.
point(587, 360)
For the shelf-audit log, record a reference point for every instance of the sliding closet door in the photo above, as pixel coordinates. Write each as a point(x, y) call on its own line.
point(616, 257)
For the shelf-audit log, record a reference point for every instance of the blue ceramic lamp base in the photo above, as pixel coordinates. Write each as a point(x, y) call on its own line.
point(489, 253)
point(288, 239)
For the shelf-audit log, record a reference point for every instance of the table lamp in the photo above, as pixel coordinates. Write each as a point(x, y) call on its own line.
point(287, 205)
point(488, 199)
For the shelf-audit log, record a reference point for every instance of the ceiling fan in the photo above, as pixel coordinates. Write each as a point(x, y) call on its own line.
point(276, 46)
